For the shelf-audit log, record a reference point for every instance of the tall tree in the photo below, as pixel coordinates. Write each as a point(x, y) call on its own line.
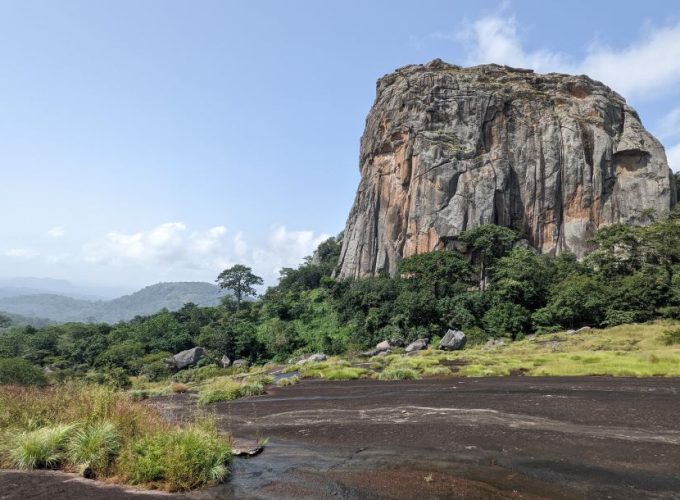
point(240, 280)
point(487, 243)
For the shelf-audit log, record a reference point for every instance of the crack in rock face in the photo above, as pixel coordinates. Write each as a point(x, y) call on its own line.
point(447, 148)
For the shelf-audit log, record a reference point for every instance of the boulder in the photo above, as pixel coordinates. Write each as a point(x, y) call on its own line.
point(314, 358)
point(384, 353)
point(418, 345)
point(186, 358)
point(225, 361)
point(453, 340)
point(383, 346)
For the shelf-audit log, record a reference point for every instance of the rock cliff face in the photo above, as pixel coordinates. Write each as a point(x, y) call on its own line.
point(447, 148)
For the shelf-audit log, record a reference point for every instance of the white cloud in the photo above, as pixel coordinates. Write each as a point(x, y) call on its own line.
point(56, 232)
point(494, 39)
point(647, 65)
point(285, 248)
point(172, 247)
point(21, 253)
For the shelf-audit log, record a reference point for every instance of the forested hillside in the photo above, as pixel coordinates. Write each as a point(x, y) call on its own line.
point(149, 300)
point(494, 289)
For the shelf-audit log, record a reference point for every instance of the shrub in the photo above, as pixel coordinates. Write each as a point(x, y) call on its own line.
point(20, 372)
point(344, 373)
point(434, 371)
point(41, 448)
point(671, 336)
point(222, 390)
point(227, 390)
point(251, 389)
point(178, 388)
point(506, 319)
point(94, 446)
point(614, 317)
point(182, 459)
point(399, 374)
point(200, 374)
point(288, 381)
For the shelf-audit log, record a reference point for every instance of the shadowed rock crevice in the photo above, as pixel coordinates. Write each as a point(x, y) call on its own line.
point(447, 148)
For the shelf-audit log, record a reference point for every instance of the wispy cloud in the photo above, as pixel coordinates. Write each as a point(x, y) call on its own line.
point(649, 64)
point(21, 253)
point(173, 246)
point(56, 232)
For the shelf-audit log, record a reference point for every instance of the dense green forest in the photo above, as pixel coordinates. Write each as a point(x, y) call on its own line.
point(495, 287)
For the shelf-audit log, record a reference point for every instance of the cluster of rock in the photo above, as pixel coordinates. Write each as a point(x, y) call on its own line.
point(447, 148)
point(191, 357)
point(452, 341)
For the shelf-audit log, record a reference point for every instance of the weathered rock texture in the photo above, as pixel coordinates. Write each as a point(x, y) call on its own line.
point(447, 148)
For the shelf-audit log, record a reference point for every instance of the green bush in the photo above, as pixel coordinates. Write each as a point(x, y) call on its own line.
point(20, 372)
point(94, 446)
point(615, 317)
point(506, 320)
point(671, 336)
point(183, 459)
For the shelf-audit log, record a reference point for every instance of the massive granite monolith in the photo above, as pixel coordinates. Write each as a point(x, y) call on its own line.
point(447, 148)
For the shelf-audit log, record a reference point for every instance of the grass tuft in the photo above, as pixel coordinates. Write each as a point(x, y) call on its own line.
point(288, 381)
point(94, 446)
point(399, 374)
point(41, 448)
point(181, 460)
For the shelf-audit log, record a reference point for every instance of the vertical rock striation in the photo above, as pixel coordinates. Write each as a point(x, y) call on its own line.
point(447, 148)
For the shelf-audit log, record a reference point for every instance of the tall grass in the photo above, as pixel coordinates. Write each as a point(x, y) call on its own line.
point(107, 433)
point(182, 459)
point(94, 446)
point(40, 448)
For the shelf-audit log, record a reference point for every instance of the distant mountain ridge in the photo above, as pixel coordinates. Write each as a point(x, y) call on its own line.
point(29, 285)
point(149, 300)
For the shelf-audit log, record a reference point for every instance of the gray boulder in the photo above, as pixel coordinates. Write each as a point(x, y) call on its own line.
point(418, 345)
point(453, 340)
point(186, 358)
point(314, 358)
point(225, 361)
point(383, 346)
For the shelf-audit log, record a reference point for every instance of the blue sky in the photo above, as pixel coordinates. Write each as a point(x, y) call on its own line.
point(145, 141)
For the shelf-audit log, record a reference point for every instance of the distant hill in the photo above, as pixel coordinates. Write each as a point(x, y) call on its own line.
point(149, 300)
point(11, 287)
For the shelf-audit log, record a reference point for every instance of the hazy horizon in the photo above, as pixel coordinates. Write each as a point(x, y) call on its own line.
point(160, 141)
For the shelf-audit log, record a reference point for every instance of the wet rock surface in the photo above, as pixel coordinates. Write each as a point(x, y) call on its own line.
point(511, 437)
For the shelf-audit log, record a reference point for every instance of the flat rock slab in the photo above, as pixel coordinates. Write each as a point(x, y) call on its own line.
point(485, 438)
